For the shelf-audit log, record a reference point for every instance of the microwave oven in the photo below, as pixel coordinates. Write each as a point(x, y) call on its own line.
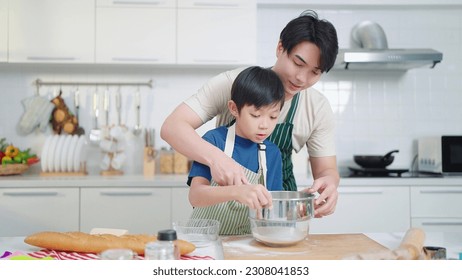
point(442, 154)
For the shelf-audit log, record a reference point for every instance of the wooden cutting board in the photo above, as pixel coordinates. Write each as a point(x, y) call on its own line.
point(315, 247)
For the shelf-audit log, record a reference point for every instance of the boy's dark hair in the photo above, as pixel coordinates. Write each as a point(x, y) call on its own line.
point(308, 27)
point(257, 86)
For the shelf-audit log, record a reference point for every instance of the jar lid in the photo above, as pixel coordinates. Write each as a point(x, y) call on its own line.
point(167, 234)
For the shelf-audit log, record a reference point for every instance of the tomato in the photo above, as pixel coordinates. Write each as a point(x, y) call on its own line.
point(32, 160)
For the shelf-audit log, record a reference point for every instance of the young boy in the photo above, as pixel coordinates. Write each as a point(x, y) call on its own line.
point(257, 96)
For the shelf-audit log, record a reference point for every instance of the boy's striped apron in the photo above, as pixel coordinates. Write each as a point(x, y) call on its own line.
point(232, 215)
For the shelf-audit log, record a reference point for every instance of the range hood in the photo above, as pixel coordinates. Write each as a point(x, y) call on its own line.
point(369, 51)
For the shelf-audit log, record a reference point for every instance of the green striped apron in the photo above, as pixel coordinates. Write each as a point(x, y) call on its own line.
point(233, 215)
point(282, 137)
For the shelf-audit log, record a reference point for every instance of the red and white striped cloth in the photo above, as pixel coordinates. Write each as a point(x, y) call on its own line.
point(61, 255)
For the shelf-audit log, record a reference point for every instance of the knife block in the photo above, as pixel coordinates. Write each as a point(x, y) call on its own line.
point(149, 162)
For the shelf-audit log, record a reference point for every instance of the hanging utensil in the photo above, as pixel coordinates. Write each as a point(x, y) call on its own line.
point(79, 131)
point(106, 106)
point(95, 133)
point(118, 107)
point(137, 129)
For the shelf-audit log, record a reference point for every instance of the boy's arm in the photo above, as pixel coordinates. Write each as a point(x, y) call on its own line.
point(201, 194)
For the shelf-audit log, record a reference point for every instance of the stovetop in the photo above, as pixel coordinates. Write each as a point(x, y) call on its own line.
point(360, 172)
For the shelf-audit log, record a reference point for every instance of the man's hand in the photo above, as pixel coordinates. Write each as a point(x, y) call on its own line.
point(227, 172)
point(326, 202)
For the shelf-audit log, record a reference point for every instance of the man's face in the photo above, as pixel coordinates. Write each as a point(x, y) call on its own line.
point(300, 69)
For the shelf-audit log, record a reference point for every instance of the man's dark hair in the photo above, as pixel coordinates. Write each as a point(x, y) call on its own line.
point(308, 27)
point(257, 86)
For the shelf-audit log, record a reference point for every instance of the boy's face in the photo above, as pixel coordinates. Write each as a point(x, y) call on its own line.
point(255, 124)
point(299, 69)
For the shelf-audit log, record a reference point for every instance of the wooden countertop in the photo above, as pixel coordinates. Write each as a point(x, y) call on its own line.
point(315, 247)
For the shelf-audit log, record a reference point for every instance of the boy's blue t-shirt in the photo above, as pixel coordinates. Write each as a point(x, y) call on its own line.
point(245, 153)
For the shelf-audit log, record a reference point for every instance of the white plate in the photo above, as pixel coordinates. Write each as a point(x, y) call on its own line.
point(58, 152)
point(79, 153)
point(65, 153)
point(43, 156)
point(51, 154)
point(70, 157)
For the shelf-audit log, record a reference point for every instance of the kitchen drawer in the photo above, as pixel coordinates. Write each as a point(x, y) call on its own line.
point(24, 211)
point(139, 210)
point(438, 224)
point(136, 3)
point(367, 209)
point(215, 4)
point(181, 208)
point(436, 202)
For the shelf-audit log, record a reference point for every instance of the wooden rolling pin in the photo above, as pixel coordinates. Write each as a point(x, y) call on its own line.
point(411, 248)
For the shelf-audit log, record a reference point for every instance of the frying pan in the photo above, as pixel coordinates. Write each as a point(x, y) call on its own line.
point(375, 161)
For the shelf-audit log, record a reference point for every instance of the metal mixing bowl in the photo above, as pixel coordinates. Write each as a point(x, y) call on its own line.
point(287, 222)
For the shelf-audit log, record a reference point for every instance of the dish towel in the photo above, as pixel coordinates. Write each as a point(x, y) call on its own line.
point(61, 255)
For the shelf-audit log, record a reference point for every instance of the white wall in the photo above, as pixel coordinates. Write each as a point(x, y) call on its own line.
point(376, 111)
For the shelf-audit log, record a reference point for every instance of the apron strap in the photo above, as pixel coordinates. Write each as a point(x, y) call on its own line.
point(262, 160)
point(293, 108)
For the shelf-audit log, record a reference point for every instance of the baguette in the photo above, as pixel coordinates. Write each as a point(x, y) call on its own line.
point(96, 243)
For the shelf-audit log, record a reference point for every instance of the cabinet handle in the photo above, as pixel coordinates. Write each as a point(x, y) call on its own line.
point(49, 58)
point(134, 59)
point(442, 224)
point(441, 192)
point(212, 4)
point(124, 2)
point(30, 193)
point(126, 193)
point(216, 60)
point(360, 192)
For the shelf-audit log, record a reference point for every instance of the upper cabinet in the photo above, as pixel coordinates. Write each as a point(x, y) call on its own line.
point(141, 32)
point(51, 31)
point(216, 32)
point(3, 30)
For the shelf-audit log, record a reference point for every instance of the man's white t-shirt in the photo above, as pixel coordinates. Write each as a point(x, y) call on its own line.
point(314, 122)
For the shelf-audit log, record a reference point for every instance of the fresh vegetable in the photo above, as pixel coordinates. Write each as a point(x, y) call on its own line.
point(11, 151)
point(11, 154)
point(7, 159)
point(32, 160)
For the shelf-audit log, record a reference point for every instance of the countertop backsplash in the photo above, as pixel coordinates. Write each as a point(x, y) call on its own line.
point(376, 111)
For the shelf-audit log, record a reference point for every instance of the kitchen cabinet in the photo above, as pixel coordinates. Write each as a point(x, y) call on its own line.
point(181, 208)
point(216, 32)
point(437, 208)
point(24, 211)
point(139, 210)
point(51, 31)
point(3, 30)
point(141, 32)
point(367, 209)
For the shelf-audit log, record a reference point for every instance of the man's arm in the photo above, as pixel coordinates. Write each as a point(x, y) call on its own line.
point(179, 130)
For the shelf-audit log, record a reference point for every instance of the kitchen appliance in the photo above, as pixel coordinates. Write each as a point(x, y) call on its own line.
point(375, 161)
point(286, 222)
point(376, 172)
point(369, 51)
point(440, 154)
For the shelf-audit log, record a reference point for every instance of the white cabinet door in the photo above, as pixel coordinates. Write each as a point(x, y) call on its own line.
point(181, 208)
point(139, 210)
point(437, 208)
point(367, 209)
point(3, 30)
point(52, 31)
point(140, 32)
point(216, 32)
point(24, 211)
